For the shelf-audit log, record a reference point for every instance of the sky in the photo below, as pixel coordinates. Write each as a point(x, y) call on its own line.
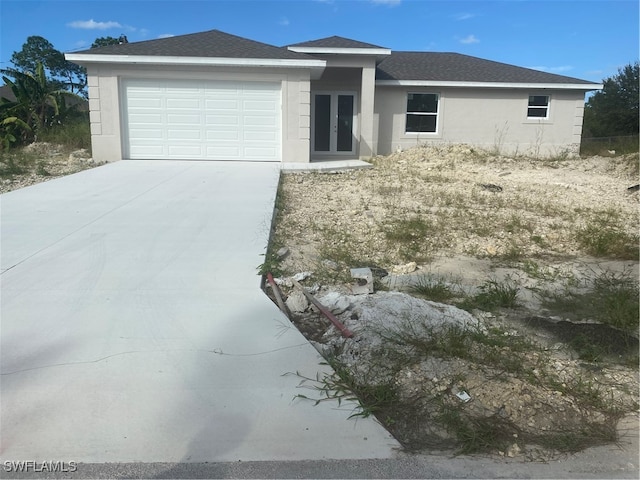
point(586, 39)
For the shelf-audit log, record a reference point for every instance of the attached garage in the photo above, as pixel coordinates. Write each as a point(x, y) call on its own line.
point(201, 120)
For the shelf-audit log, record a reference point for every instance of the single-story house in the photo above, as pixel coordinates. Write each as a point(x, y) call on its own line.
point(216, 96)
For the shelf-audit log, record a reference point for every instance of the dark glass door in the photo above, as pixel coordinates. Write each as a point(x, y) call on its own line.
point(333, 123)
point(344, 138)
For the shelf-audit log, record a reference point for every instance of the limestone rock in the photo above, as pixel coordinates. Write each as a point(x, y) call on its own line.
point(297, 302)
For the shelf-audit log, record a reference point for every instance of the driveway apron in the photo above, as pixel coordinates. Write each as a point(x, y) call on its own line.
point(133, 328)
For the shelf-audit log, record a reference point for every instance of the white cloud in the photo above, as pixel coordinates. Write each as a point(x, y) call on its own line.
point(469, 39)
point(559, 69)
point(389, 3)
point(464, 16)
point(166, 35)
point(81, 44)
point(93, 25)
point(284, 21)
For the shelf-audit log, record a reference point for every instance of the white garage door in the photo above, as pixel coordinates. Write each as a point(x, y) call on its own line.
point(202, 120)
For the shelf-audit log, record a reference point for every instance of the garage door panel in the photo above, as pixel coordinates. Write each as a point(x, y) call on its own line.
point(183, 119)
point(258, 136)
point(222, 152)
point(229, 135)
point(147, 133)
point(148, 151)
point(145, 102)
point(266, 106)
point(183, 103)
point(203, 120)
point(145, 118)
point(223, 120)
point(183, 135)
point(257, 152)
point(218, 104)
point(184, 151)
point(259, 121)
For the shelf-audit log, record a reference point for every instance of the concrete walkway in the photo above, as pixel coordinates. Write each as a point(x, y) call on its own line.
point(133, 328)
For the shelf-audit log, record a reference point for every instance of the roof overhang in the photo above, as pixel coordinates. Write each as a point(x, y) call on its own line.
point(528, 86)
point(82, 58)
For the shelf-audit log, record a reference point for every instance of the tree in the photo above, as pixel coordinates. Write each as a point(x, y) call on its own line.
point(104, 41)
point(38, 104)
point(614, 110)
point(38, 50)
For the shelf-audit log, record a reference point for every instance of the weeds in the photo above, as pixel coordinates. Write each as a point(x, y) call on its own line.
point(13, 163)
point(272, 264)
point(411, 236)
point(437, 417)
point(72, 135)
point(494, 294)
point(605, 236)
point(610, 298)
point(434, 289)
point(341, 385)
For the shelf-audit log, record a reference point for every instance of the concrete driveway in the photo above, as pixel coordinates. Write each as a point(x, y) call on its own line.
point(133, 328)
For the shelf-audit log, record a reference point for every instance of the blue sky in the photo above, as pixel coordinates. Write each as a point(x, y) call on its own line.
point(588, 39)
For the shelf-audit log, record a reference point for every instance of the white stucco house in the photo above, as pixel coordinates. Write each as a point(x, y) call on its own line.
point(216, 96)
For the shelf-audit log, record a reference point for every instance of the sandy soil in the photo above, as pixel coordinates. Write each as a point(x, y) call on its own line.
point(467, 217)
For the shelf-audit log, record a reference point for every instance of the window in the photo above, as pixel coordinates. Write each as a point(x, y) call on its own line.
point(422, 112)
point(538, 106)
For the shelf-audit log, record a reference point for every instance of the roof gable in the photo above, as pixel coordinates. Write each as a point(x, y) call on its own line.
point(456, 67)
point(212, 44)
point(335, 42)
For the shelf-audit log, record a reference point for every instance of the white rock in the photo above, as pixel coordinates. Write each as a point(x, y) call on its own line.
point(330, 264)
point(299, 277)
point(405, 269)
point(335, 302)
point(297, 302)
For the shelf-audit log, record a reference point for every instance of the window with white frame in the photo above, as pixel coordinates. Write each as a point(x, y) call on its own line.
point(422, 112)
point(538, 106)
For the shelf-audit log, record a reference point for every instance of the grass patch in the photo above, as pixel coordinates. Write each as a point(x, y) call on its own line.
point(492, 295)
point(476, 434)
point(432, 288)
point(604, 236)
point(610, 298)
point(411, 236)
point(73, 135)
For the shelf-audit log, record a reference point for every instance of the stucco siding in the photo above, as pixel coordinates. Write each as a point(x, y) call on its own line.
point(106, 109)
point(493, 119)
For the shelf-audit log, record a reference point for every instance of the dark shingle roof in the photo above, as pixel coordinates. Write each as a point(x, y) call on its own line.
point(335, 42)
point(212, 43)
point(455, 67)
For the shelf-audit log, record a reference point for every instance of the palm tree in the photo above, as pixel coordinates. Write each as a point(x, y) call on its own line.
point(35, 101)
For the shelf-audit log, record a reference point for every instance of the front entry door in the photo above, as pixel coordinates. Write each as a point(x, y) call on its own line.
point(334, 123)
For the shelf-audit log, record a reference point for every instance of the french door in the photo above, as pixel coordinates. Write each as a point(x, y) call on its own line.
point(334, 122)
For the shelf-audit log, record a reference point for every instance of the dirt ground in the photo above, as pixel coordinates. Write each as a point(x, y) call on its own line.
point(466, 217)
